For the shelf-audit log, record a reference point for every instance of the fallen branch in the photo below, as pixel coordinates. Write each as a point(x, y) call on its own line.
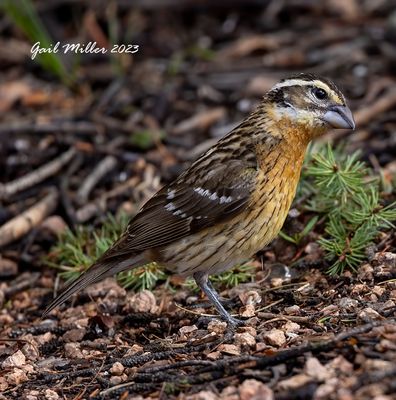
point(25, 222)
point(36, 176)
point(102, 168)
point(86, 212)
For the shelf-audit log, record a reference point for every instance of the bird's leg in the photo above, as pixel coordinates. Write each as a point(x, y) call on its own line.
point(203, 282)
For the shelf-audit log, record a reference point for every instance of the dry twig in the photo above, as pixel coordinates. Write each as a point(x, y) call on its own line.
point(25, 222)
point(36, 176)
point(202, 120)
point(86, 212)
point(102, 168)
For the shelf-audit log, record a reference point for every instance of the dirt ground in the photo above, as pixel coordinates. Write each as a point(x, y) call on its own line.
point(129, 123)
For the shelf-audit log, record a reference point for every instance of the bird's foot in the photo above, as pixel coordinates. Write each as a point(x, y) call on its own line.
point(208, 289)
point(234, 323)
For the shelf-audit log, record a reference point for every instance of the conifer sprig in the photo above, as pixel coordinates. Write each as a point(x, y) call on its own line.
point(347, 195)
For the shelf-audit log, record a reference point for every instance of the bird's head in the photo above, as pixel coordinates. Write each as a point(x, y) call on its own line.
point(310, 102)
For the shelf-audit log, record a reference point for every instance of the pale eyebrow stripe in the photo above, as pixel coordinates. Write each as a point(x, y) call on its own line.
point(293, 82)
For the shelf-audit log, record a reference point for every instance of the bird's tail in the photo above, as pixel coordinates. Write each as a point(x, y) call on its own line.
point(103, 268)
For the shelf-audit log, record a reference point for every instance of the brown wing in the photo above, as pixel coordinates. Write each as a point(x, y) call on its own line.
point(180, 209)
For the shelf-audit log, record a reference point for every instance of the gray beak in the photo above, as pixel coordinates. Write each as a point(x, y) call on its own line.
point(339, 117)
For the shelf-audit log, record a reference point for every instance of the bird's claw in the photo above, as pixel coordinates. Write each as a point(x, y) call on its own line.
point(234, 323)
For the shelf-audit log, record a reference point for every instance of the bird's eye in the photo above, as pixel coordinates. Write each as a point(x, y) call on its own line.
point(319, 93)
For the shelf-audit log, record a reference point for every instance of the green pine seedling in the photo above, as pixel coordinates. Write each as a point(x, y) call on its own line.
point(239, 274)
point(343, 190)
point(297, 237)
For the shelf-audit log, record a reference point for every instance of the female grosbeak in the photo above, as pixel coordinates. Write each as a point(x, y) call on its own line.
point(234, 199)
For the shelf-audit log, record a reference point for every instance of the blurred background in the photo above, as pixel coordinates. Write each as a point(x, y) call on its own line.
point(87, 134)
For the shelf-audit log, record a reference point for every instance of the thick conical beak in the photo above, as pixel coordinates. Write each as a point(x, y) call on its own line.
point(339, 117)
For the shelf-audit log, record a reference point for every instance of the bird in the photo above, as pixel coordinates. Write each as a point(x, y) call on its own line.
point(233, 200)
